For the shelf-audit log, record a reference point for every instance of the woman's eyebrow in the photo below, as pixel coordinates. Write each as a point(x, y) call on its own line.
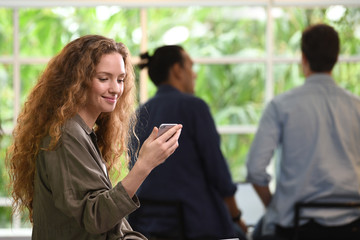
point(110, 74)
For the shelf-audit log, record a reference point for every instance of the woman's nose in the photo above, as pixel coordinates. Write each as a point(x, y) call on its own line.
point(115, 86)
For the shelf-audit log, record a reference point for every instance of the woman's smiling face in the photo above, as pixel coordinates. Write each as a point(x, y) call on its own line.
point(107, 85)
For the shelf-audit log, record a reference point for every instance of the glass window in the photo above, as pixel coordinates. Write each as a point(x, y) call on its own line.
point(6, 96)
point(29, 76)
point(151, 88)
point(235, 148)
point(289, 76)
point(44, 32)
point(4, 143)
point(286, 77)
point(209, 31)
point(5, 217)
point(6, 32)
point(290, 22)
point(234, 92)
point(347, 75)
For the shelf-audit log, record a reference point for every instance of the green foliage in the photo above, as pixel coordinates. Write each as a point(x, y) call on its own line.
point(235, 93)
point(5, 212)
point(290, 22)
point(235, 148)
point(6, 32)
point(212, 31)
point(5, 217)
point(4, 178)
point(286, 77)
point(6, 96)
point(347, 75)
point(44, 32)
point(29, 75)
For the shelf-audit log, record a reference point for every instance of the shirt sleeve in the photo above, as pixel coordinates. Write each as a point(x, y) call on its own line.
point(81, 190)
point(262, 149)
point(207, 141)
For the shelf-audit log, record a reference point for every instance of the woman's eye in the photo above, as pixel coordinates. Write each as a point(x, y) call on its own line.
point(102, 79)
point(120, 80)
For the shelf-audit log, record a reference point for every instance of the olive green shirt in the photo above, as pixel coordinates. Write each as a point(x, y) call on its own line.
point(73, 196)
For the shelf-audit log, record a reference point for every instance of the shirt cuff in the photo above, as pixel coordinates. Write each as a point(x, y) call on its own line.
point(125, 203)
point(259, 181)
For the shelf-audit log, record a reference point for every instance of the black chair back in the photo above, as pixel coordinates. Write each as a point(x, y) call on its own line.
point(329, 205)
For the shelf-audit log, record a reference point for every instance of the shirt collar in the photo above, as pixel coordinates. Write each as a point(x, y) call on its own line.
point(165, 88)
point(81, 122)
point(321, 78)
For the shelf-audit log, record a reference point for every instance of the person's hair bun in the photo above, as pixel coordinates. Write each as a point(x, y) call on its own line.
point(145, 59)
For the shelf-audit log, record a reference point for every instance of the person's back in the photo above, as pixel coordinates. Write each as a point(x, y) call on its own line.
point(196, 175)
point(317, 127)
point(319, 149)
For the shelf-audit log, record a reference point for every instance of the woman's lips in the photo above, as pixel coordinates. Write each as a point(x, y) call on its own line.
point(110, 99)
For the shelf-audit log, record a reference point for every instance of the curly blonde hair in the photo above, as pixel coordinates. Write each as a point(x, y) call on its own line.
point(58, 95)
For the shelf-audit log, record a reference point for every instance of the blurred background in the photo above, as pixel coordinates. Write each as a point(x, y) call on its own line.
point(245, 53)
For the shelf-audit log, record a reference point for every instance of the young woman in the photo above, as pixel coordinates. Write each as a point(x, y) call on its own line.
point(72, 130)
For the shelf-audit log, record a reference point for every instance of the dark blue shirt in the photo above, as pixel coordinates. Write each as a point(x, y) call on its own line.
point(196, 174)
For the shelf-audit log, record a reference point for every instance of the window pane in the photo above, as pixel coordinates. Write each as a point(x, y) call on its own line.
point(24, 221)
point(6, 32)
point(235, 148)
point(44, 32)
point(5, 217)
point(289, 76)
point(4, 178)
point(209, 31)
point(348, 27)
point(290, 22)
point(235, 93)
point(286, 77)
point(151, 88)
point(6, 220)
point(29, 76)
point(6, 96)
point(347, 75)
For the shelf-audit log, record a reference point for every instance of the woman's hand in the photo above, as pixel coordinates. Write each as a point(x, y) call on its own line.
point(154, 151)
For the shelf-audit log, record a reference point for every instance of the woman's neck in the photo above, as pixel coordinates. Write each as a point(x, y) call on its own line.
point(88, 118)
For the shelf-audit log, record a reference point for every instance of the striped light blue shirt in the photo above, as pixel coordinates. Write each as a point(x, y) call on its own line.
point(316, 128)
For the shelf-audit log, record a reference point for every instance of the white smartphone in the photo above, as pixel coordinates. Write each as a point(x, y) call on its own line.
point(164, 127)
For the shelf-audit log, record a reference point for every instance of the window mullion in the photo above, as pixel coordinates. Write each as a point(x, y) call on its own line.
point(269, 84)
point(143, 48)
point(16, 65)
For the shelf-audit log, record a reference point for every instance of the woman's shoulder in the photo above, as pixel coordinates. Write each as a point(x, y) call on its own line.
point(76, 127)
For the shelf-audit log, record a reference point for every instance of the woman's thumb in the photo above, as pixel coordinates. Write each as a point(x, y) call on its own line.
point(154, 133)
